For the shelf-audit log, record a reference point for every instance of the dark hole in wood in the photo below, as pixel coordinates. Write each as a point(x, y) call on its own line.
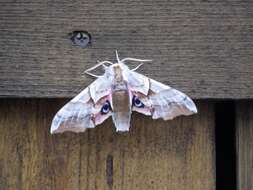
point(109, 170)
point(80, 38)
point(225, 145)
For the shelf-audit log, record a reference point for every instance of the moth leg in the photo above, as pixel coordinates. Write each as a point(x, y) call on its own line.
point(96, 66)
point(137, 67)
point(130, 59)
point(91, 74)
point(103, 62)
point(133, 59)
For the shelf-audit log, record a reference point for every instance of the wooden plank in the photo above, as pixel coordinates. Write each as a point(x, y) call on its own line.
point(155, 154)
point(244, 136)
point(203, 48)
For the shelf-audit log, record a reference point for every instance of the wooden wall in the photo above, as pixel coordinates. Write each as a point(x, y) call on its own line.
point(203, 48)
point(155, 154)
point(244, 136)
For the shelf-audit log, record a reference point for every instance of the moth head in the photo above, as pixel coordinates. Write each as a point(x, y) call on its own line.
point(117, 71)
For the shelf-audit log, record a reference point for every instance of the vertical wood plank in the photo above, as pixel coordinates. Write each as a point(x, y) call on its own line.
point(155, 154)
point(244, 136)
point(30, 157)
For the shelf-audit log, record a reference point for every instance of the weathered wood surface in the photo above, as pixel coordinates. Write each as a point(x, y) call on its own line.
point(155, 154)
point(244, 146)
point(204, 48)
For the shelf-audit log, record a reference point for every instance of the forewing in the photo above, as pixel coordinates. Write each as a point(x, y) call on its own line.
point(74, 116)
point(138, 82)
point(100, 88)
point(171, 103)
point(82, 112)
point(162, 101)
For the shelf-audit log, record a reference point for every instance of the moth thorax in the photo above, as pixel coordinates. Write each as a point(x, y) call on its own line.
point(118, 83)
point(117, 73)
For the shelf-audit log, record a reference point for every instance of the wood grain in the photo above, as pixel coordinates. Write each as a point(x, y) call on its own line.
point(244, 138)
point(204, 48)
point(155, 154)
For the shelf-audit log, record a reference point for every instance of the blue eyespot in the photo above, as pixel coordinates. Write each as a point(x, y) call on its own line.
point(137, 103)
point(106, 108)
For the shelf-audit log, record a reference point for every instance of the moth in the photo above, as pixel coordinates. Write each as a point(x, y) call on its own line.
point(117, 93)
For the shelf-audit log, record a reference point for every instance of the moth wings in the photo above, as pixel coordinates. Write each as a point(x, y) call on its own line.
point(83, 111)
point(117, 93)
point(159, 100)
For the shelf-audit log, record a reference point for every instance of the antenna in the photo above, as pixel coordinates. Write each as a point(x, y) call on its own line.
point(117, 56)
